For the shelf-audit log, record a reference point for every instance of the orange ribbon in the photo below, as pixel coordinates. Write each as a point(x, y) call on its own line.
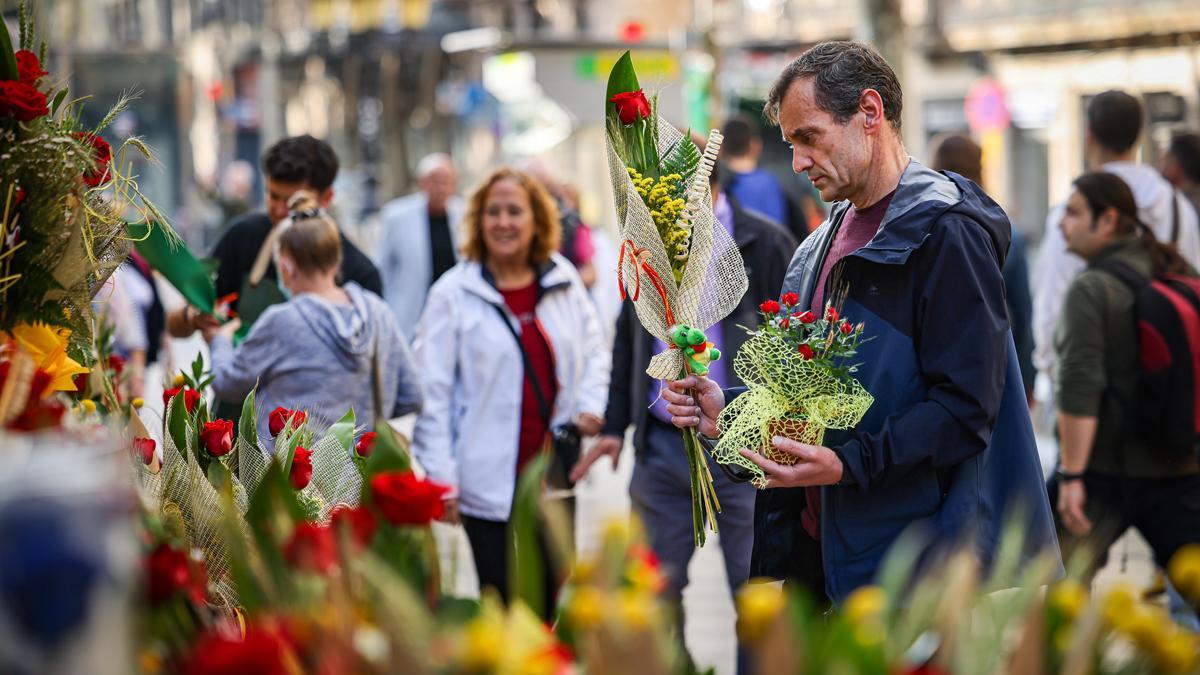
point(640, 267)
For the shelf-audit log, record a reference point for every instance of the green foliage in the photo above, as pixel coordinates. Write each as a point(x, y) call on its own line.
point(682, 158)
point(390, 454)
point(247, 427)
point(176, 422)
point(8, 59)
point(526, 578)
point(343, 431)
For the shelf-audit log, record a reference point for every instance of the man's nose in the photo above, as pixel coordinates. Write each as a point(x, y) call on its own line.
point(801, 162)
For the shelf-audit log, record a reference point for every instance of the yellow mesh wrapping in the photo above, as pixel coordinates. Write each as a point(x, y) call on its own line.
point(715, 277)
point(787, 396)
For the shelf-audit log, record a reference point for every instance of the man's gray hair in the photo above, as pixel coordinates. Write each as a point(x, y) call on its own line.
point(432, 162)
point(841, 72)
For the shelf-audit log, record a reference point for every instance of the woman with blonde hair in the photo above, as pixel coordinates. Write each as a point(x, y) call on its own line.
point(511, 353)
point(318, 351)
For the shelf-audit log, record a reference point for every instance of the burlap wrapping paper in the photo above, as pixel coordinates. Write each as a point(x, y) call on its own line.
point(715, 277)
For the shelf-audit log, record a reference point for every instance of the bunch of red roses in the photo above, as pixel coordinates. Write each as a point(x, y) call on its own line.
point(827, 339)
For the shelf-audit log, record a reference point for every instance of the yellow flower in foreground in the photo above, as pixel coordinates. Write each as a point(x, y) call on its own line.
point(178, 381)
point(1118, 604)
point(88, 405)
point(138, 403)
point(636, 609)
point(866, 603)
point(483, 644)
point(586, 607)
point(1184, 570)
point(758, 605)
point(1177, 652)
point(48, 348)
point(1068, 598)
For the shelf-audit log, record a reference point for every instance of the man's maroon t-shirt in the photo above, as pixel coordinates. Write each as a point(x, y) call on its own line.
point(858, 227)
point(534, 427)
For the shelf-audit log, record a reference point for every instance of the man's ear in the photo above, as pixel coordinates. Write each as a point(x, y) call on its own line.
point(325, 197)
point(1106, 224)
point(870, 104)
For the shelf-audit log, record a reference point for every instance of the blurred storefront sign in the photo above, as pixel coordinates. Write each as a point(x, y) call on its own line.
point(652, 65)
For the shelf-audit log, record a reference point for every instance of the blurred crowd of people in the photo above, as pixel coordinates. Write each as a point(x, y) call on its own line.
point(474, 312)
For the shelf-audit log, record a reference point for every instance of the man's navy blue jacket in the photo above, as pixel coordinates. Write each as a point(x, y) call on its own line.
point(947, 448)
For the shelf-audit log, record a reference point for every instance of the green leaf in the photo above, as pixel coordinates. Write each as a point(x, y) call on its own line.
point(621, 78)
point(57, 101)
point(682, 158)
point(247, 423)
point(8, 59)
point(273, 511)
point(525, 580)
point(390, 454)
point(220, 477)
point(343, 430)
point(177, 426)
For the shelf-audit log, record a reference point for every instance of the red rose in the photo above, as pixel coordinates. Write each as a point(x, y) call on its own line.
point(144, 449)
point(806, 352)
point(790, 299)
point(769, 307)
point(358, 519)
point(631, 106)
point(302, 468)
point(29, 70)
point(279, 418)
point(22, 101)
point(404, 499)
point(846, 328)
point(190, 398)
point(831, 314)
point(170, 571)
point(312, 548)
point(261, 652)
point(806, 317)
point(18, 196)
point(366, 444)
point(101, 153)
point(217, 437)
point(116, 363)
point(785, 323)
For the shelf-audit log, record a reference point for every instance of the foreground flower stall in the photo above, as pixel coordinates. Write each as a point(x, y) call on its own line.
point(137, 543)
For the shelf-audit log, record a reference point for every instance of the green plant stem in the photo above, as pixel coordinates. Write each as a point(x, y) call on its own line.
point(705, 505)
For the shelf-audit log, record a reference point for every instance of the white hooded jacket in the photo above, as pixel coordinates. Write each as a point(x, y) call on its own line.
point(1056, 266)
point(472, 376)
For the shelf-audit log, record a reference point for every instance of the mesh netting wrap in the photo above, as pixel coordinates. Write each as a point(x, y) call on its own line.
point(714, 279)
point(787, 396)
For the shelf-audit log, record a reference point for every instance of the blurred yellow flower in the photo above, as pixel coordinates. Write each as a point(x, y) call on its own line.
point(483, 643)
point(1184, 570)
point(88, 405)
point(586, 607)
point(1177, 652)
point(584, 571)
point(758, 605)
point(636, 609)
point(866, 603)
point(1118, 603)
point(48, 348)
point(178, 381)
point(1068, 598)
point(138, 403)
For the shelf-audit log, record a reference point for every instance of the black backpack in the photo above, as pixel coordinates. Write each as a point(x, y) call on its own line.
point(1166, 412)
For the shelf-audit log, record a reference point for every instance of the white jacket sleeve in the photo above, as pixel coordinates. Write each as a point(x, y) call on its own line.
point(435, 353)
point(1188, 242)
point(593, 393)
point(1053, 272)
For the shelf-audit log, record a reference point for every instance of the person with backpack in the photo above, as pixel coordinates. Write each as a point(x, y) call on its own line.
point(1128, 375)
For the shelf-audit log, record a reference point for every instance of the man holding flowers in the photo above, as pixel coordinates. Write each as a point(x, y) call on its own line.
point(947, 448)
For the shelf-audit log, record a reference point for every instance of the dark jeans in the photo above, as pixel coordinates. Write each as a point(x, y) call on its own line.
point(492, 543)
point(1166, 511)
point(662, 499)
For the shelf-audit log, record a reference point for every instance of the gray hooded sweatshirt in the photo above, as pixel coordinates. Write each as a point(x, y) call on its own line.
point(313, 355)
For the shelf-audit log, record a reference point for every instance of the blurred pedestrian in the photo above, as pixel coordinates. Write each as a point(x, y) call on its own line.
point(576, 245)
point(510, 351)
point(1111, 475)
point(1181, 166)
point(754, 188)
point(243, 253)
point(420, 239)
point(962, 155)
point(660, 489)
point(322, 350)
point(1114, 123)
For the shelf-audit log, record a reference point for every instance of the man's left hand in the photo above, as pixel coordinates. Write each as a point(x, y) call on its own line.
point(815, 465)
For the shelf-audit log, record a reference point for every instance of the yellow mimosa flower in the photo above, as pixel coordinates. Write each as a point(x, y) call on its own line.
point(866, 603)
point(758, 605)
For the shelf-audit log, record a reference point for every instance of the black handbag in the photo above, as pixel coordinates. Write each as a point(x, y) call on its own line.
point(565, 439)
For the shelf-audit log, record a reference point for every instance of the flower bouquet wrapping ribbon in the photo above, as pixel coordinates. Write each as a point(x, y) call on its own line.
point(787, 395)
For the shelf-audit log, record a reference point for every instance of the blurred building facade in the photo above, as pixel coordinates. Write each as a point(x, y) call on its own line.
point(387, 81)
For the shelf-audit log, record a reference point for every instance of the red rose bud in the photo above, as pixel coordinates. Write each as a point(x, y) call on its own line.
point(302, 468)
point(404, 499)
point(29, 69)
point(279, 418)
point(143, 448)
point(101, 153)
point(631, 106)
point(831, 314)
point(790, 299)
point(169, 394)
point(169, 572)
point(366, 444)
point(22, 101)
point(358, 519)
point(217, 437)
point(312, 548)
point(806, 352)
point(806, 317)
point(785, 323)
point(18, 196)
point(769, 307)
point(859, 327)
point(846, 328)
point(116, 363)
point(190, 398)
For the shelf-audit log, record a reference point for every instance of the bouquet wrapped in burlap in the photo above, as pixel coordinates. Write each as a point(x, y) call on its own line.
point(678, 265)
point(798, 384)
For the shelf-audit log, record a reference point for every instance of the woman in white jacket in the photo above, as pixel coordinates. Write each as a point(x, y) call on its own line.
point(482, 421)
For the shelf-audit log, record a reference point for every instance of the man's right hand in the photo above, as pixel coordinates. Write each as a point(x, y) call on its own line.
point(1072, 500)
point(451, 516)
point(605, 445)
point(701, 410)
